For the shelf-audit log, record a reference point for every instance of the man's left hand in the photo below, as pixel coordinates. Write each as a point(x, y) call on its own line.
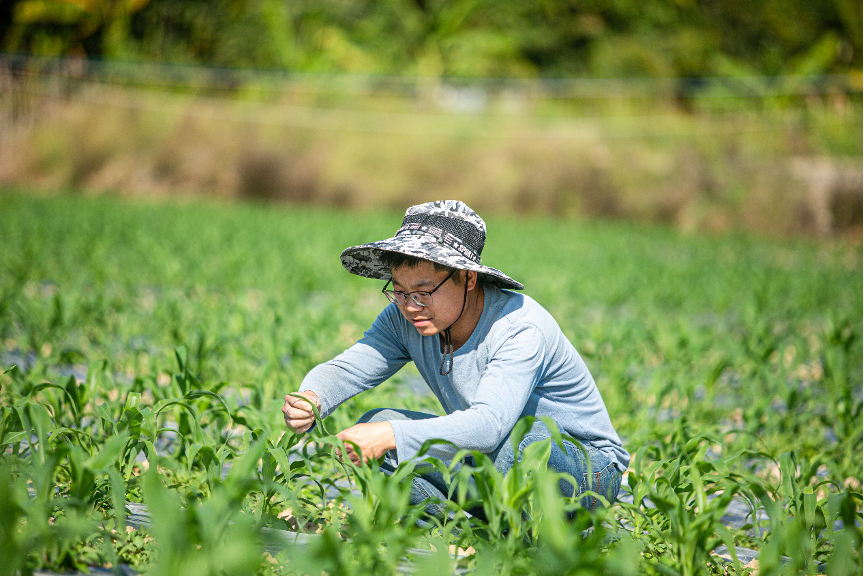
point(372, 439)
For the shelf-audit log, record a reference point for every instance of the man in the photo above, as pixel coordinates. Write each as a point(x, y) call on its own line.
point(488, 354)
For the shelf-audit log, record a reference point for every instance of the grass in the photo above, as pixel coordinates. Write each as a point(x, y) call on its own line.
point(730, 365)
point(785, 166)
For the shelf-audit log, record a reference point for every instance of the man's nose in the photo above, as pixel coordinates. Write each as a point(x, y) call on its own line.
point(410, 305)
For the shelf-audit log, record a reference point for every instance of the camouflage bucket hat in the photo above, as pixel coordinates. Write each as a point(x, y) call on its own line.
point(445, 231)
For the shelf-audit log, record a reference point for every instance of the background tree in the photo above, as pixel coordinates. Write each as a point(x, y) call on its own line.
point(561, 38)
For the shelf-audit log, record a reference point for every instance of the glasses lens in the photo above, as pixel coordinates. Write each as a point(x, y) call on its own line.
point(395, 297)
point(422, 298)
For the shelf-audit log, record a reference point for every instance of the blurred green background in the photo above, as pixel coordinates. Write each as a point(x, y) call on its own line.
point(627, 38)
point(703, 115)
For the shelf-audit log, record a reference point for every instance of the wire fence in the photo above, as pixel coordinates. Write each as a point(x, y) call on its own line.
point(221, 79)
point(414, 106)
point(780, 154)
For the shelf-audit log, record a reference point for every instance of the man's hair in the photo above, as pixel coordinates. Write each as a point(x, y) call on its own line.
point(398, 260)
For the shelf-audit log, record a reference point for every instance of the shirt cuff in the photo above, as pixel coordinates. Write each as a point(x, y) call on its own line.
point(325, 402)
point(399, 435)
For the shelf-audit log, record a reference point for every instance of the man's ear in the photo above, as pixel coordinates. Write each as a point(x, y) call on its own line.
point(472, 280)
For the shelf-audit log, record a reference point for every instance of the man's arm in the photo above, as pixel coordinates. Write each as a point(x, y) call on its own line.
point(370, 361)
point(505, 386)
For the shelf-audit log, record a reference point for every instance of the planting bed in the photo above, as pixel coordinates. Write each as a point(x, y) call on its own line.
point(146, 350)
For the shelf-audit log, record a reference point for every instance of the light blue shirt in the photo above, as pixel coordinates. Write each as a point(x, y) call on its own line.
point(517, 362)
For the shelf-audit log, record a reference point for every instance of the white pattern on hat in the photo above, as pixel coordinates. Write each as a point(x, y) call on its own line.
point(363, 260)
point(452, 208)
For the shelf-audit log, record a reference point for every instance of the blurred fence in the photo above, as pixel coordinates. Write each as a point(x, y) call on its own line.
point(776, 154)
point(451, 94)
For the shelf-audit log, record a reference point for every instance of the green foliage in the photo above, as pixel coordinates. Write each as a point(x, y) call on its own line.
point(453, 38)
point(147, 350)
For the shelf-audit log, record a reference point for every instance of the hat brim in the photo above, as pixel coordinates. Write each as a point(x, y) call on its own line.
point(364, 260)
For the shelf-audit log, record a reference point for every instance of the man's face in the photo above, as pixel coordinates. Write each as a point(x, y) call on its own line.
point(447, 300)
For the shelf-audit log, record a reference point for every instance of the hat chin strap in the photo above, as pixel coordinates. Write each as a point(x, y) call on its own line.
point(448, 338)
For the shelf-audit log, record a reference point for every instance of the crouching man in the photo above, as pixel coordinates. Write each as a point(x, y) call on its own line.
point(490, 356)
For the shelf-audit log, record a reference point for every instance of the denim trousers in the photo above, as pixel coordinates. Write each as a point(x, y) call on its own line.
point(429, 485)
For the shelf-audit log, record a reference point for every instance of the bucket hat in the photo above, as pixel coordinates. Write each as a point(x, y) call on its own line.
point(447, 232)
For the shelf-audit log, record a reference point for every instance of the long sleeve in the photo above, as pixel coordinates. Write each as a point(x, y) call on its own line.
point(505, 385)
point(369, 362)
point(516, 362)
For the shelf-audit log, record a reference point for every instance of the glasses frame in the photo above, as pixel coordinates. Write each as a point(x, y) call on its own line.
point(391, 294)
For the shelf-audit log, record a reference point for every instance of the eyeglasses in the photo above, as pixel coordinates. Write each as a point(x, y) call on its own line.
point(421, 298)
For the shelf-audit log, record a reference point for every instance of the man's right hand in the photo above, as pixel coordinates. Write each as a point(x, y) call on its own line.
point(298, 413)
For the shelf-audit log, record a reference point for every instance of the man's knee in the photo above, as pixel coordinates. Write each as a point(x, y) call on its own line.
point(379, 415)
point(538, 432)
point(503, 456)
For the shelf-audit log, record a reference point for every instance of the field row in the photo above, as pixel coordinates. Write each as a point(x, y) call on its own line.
point(153, 345)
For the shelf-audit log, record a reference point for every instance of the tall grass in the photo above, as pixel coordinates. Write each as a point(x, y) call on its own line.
point(785, 165)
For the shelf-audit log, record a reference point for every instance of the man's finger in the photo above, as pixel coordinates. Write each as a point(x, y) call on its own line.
point(299, 422)
point(354, 453)
point(299, 419)
point(353, 456)
point(300, 428)
point(300, 402)
point(298, 413)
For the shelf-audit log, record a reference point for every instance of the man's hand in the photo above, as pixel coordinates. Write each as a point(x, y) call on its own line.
point(372, 439)
point(299, 415)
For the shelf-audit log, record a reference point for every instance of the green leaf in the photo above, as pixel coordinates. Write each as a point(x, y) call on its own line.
point(519, 431)
point(118, 498)
point(13, 438)
point(536, 455)
point(107, 457)
point(201, 393)
point(67, 394)
point(809, 506)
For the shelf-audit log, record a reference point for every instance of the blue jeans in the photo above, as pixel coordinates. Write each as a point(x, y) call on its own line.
point(429, 484)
